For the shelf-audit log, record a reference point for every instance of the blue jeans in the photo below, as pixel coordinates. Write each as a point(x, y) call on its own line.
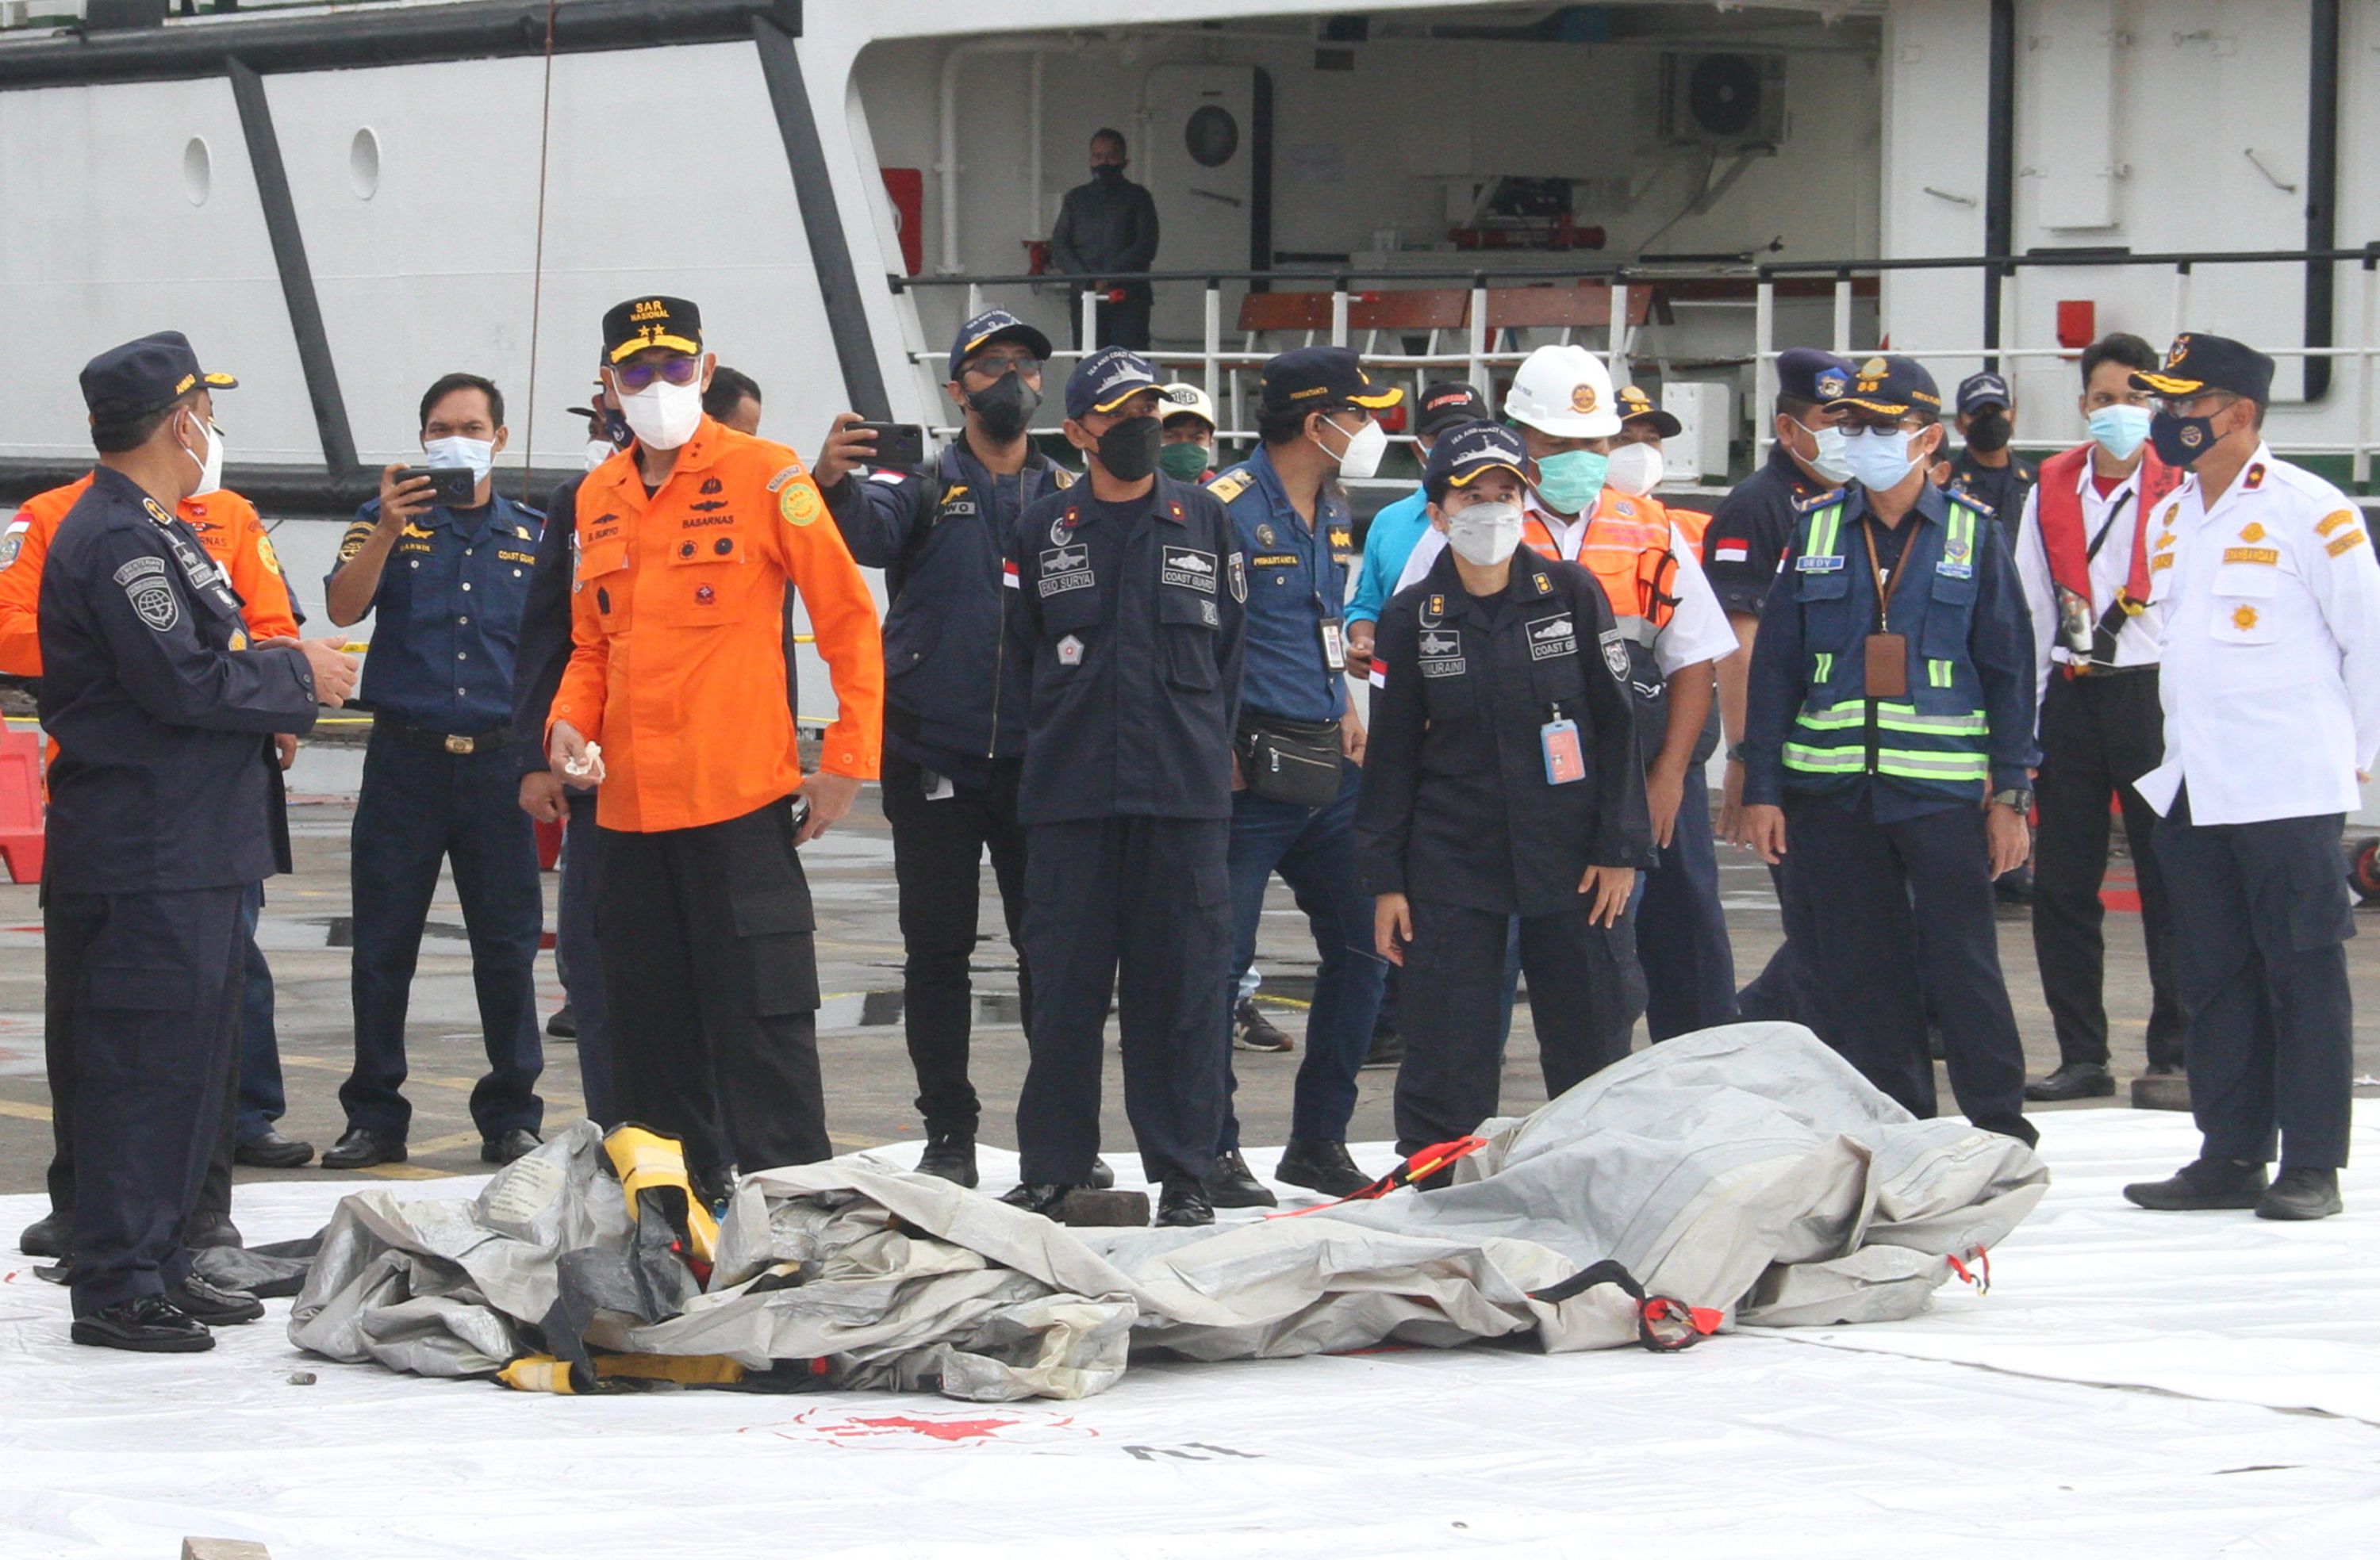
point(261, 1100)
point(1314, 851)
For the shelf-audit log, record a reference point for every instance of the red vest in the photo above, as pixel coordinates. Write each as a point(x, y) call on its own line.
point(2061, 502)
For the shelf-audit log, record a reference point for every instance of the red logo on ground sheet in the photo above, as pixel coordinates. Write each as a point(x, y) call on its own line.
point(912, 1430)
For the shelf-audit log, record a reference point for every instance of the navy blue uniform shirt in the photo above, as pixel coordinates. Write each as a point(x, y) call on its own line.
point(1129, 621)
point(1297, 577)
point(1751, 531)
point(446, 619)
point(166, 777)
point(951, 701)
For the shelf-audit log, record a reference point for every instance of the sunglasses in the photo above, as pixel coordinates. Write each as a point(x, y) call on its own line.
point(634, 377)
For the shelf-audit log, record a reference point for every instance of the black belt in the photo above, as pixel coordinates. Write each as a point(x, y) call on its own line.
point(441, 741)
point(2095, 672)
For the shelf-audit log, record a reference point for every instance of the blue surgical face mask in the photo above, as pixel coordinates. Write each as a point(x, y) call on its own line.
point(1880, 459)
point(1572, 481)
point(2121, 430)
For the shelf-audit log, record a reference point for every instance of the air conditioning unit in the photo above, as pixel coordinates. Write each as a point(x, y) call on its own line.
point(1723, 99)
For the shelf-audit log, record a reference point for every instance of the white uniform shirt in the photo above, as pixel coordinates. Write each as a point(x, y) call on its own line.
point(1698, 631)
point(2272, 647)
point(2136, 645)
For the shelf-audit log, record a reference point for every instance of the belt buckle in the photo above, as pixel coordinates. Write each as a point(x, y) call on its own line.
point(460, 745)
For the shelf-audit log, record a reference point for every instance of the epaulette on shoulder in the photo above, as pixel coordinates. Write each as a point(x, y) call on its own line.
point(1818, 501)
point(1966, 499)
point(1230, 484)
point(1059, 476)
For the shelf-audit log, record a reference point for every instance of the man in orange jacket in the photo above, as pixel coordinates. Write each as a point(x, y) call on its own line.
point(674, 700)
point(235, 538)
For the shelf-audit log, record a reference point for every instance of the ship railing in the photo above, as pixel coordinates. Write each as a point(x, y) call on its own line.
point(1219, 365)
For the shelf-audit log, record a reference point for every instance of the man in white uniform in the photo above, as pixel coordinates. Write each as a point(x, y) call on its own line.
point(2271, 715)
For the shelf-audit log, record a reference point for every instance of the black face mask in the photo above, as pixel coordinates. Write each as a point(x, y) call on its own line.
point(1128, 449)
point(1106, 173)
point(1990, 432)
point(1006, 407)
point(2180, 440)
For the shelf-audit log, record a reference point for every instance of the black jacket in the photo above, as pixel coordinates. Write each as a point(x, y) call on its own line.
point(1455, 807)
point(166, 777)
point(543, 653)
point(951, 701)
point(1106, 228)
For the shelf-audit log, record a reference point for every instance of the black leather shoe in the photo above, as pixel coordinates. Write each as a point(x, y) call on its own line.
point(1251, 1031)
point(203, 1302)
point(150, 1324)
point(271, 1151)
point(505, 1148)
point(564, 1024)
point(1183, 1203)
point(1232, 1185)
point(2161, 1088)
point(950, 1155)
point(1102, 1176)
point(361, 1149)
point(204, 1228)
point(1036, 1197)
point(2073, 1081)
point(2202, 1183)
point(1322, 1166)
point(1387, 1049)
point(2302, 1194)
point(50, 1236)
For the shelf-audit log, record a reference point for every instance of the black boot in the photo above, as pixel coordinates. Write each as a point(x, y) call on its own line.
point(50, 1236)
point(1183, 1203)
point(1322, 1165)
point(204, 1228)
point(2202, 1183)
point(2302, 1194)
point(2073, 1081)
point(950, 1157)
point(1036, 1197)
point(1232, 1185)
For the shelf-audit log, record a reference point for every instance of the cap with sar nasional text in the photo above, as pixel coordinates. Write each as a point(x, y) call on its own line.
point(1322, 376)
point(1891, 386)
point(1978, 391)
point(1464, 452)
point(1635, 404)
point(2195, 364)
point(145, 376)
point(1105, 380)
point(992, 325)
point(1448, 404)
point(643, 323)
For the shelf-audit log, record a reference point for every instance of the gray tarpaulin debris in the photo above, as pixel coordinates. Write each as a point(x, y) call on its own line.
point(1746, 1169)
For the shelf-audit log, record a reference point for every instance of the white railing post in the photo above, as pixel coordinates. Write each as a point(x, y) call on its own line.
point(1844, 314)
point(1764, 366)
point(1214, 332)
point(975, 299)
point(1477, 346)
point(1090, 321)
point(1616, 355)
point(1339, 313)
point(2011, 331)
point(2363, 345)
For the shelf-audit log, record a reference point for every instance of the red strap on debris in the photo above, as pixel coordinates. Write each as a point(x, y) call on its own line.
point(1418, 1165)
point(1981, 1276)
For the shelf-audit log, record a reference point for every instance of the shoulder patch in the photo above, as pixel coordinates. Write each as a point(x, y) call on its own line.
point(1816, 501)
point(784, 476)
point(1061, 477)
point(799, 504)
point(2333, 521)
point(140, 568)
point(1230, 484)
point(265, 554)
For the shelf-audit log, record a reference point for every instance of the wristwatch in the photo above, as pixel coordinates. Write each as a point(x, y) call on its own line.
point(2020, 799)
point(1735, 753)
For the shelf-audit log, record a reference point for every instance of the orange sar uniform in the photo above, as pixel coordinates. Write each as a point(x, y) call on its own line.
point(678, 671)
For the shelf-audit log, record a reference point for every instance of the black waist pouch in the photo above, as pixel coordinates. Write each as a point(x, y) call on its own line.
point(1292, 761)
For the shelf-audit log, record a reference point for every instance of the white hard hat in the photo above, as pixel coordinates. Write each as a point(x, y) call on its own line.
point(1175, 400)
point(1565, 391)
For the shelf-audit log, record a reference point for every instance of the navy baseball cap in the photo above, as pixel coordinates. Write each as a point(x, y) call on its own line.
point(1634, 404)
point(1891, 386)
point(1463, 453)
point(141, 376)
point(1105, 380)
point(1978, 391)
point(2195, 364)
point(1322, 376)
point(992, 325)
point(1807, 374)
point(631, 327)
point(1448, 403)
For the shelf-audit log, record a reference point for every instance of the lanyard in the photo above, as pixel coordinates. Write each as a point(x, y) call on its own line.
point(1885, 585)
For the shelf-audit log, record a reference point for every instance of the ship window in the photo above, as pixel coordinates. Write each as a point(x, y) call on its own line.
point(363, 163)
point(198, 171)
point(1211, 136)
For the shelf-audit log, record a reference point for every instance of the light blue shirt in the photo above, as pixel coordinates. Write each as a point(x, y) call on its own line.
point(1395, 530)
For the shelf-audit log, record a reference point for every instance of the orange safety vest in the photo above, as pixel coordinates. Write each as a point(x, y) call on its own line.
point(677, 664)
point(1627, 550)
point(227, 525)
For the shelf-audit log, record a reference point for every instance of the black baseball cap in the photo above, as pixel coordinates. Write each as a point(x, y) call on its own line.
point(1805, 373)
point(1978, 391)
point(1634, 404)
point(1448, 404)
point(141, 376)
point(992, 325)
point(2195, 364)
point(1105, 380)
point(1465, 450)
point(632, 327)
point(1315, 376)
point(1891, 386)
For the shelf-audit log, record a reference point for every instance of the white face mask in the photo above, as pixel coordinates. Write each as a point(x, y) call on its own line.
point(1636, 470)
point(477, 456)
point(1832, 462)
point(1484, 534)
point(598, 451)
point(1364, 448)
point(210, 464)
point(663, 416)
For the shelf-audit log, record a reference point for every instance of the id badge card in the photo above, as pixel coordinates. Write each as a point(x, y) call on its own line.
point(1887, 666)
point(1565, 762)
point(1334, 644)
point(938, 787)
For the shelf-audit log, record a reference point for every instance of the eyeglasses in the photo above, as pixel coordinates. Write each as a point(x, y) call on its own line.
point(1852, 428)
point(634, 377)
point(992, 365)
point(2180, 405)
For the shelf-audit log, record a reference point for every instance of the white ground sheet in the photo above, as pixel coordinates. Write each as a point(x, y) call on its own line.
point(1960, 1431)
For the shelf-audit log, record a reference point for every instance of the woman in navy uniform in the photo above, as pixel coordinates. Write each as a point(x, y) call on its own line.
point(1501, 779)
point(163, 812)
